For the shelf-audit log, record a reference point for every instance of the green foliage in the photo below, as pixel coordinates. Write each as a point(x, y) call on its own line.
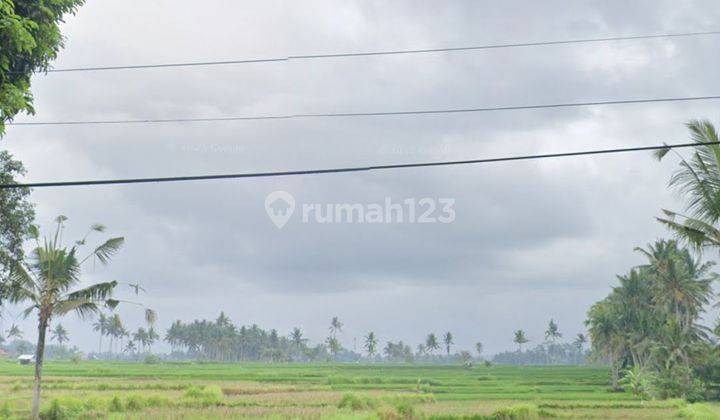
point(516, 412)
point(16, 214)
point(204, 396)
point(639, 382)
point(650, 322)
point(30, 39)
point(151, 359)
point(698, 411)
point(355, 402)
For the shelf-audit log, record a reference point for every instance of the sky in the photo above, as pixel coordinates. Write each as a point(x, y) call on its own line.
point(530, 241)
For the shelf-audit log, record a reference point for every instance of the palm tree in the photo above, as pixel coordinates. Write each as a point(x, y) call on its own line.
point(479, 348)
point(296, 337)
point(520, 339)
point(130, 347)
point(14, 332)
point(371, 343)
point(335, 326)
point(141, 336)
point(334, 346)
point(683, 284)
point(59, 334)
point(431, 342)
point(606, 337)
point(580, 341)
point(698, 181)
point(552, 333)
point(46, 280)
point(448, 340)
point(152, 336)
point(101, 326)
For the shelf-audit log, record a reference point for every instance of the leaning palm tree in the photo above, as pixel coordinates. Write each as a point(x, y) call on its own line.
point(59, 334)
point(46, 280)
point(698, 181)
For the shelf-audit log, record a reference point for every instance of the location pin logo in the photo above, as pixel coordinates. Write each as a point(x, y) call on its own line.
point(280, 206)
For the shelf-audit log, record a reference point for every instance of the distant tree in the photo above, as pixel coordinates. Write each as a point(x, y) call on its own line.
point(334, 346)
point(479, 348)
point(296, 337)
point(101, 326)
point(580, 341)
point(520, 339)
point(130, 347)
point(371, 343)
point(552, 333)
point(431, 343)
point(448, 341)
point(421, 349)
point(152, 337)
point(14, 333)
point(335, 326)
point(59, 334)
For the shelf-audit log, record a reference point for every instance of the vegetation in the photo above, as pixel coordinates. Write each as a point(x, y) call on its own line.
point(93, 389)
point(46, 280)
point(30, 40)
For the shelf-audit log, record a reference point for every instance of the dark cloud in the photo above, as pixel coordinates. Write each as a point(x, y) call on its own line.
point(532, 240)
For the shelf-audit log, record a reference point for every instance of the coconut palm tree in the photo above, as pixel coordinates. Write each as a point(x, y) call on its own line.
point(431, 343)
point(698, 181)
point(448, 341)
point(520, 339)
point(59, 334)
point(101, 326)
point(371, 343)
point(47, 279)
point(335, 326)
point(552, 333)
point(479, 348)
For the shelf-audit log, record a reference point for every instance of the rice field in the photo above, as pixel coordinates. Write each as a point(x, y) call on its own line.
point(92, 389)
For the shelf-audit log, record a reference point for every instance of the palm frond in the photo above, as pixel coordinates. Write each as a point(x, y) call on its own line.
point(96, 292)
point(105, 251)
point(83, 307)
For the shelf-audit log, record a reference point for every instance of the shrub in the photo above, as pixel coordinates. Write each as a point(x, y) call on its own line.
point(405, 409)
point(516, 412)
point(354, 402)
point(151, 359)
point(116, 405)
point(697, 411)
point(205, 396)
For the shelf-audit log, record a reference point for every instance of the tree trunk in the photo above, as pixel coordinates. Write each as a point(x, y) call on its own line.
point(39, 354)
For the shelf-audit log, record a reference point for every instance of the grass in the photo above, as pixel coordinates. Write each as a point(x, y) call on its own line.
point(211, 390)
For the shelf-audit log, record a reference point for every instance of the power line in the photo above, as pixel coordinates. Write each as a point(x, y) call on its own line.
point(346, 169)
point(376, 53)
point(368, 114)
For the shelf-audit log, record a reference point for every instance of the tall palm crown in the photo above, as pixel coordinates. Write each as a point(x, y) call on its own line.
point(520, 338)
point(14, 332)
point(371, 342)
point(59, 334)
point(697, 180)
point(46, 280)
point(552, 333)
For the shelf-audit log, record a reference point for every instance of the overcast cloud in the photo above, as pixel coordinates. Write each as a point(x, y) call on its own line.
point(531, 240)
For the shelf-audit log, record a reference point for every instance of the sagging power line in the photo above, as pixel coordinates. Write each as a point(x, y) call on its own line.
point(379, 53)
point(366, 114)
point(346, 169)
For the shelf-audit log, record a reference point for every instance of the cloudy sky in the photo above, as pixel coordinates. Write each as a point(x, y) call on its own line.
point(531, 240)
